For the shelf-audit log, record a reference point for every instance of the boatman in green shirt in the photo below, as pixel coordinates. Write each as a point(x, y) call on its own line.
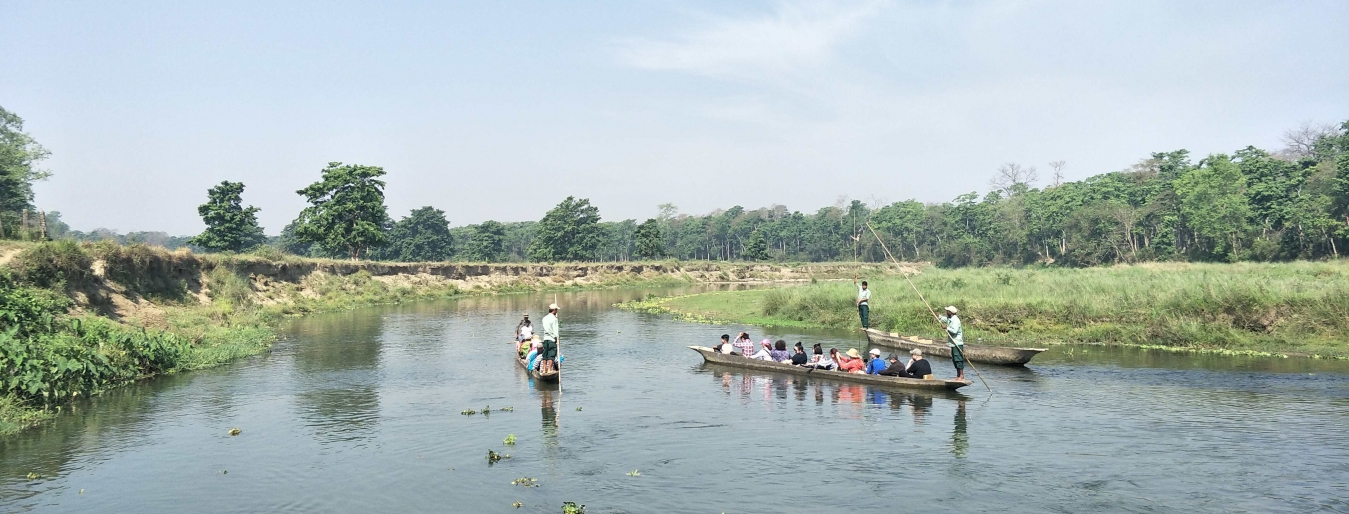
point(956, 338)
point(548, 333)
point(863, 303)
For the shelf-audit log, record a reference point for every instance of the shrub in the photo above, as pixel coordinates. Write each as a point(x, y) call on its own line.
point(54, 264)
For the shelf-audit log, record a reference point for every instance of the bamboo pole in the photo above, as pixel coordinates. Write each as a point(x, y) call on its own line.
point(929, 306)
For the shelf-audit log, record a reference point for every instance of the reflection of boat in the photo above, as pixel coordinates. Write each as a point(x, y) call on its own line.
point(552, 376)
point(974, 352)
point(716, 357)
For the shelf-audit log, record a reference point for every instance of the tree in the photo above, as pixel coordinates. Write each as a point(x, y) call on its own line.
point(422, 236)
point(1214, 206)
point(291, 243)
point(757, 248)
point(346, 210)
point(19, 153)
point(1013, 179)
point(229, 225)
point(486, 242)
point(650, 244)
point(569, 232)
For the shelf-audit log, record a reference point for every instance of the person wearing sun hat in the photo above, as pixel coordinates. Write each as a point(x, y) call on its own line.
point(852, 363)
point(955, 338)
point(876, 365)
point(550, 337)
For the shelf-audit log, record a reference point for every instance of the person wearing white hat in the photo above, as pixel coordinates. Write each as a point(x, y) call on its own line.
point(918, 367)
point(548, 332)
point(956, 339)
point(876, 365)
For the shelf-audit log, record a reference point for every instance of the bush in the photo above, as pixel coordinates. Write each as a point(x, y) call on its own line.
point(54, 265)
point(145, 270)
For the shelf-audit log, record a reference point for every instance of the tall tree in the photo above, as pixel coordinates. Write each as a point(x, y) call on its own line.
point(229, 225)
point(650, 244)
point(486, 242)
point(568, 232)
point(757, 248)
point(19, 154)
point(346, 210)
point(422, 236)
point(1214, 207)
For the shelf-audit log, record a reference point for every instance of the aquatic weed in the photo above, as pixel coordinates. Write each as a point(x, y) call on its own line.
point(634, 473)
point(235, 431)
point(510, 440)
point(526, 482)
point(494, 457)
point(573, 508)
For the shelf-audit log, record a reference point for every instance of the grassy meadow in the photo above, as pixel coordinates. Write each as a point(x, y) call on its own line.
point(1279, 308)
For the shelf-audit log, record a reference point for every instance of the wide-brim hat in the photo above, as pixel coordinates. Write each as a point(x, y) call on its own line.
point(952, 309)
point(852, 352)
point(553, 307)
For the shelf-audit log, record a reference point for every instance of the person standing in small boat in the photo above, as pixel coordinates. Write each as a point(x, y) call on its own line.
point(523, 333)
point(549, 334)
point(956, 339)
point(863, 303)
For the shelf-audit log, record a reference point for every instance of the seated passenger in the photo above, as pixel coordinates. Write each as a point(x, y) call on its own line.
point(896, 368)
point(851, 362)
point(819, 359)
point(743, 345)
point(918, 367)
point(799, 358)
point(780, 353)
point(765, 353)
point(876, 365)
point(725, 345)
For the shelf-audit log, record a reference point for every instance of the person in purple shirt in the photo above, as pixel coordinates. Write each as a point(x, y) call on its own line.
point(876, 365)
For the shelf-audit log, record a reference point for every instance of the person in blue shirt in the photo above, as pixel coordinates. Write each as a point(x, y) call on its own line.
point(876, 365)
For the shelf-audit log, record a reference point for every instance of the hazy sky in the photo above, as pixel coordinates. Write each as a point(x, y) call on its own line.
point(494, 110)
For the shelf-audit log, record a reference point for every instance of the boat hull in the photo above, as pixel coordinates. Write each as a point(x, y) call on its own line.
point(981, 354)
point(715, 357)
point(554, 376)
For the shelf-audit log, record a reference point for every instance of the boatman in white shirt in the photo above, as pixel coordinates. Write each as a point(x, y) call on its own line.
point(955, 337)
point(548, 357)
point(863, 303)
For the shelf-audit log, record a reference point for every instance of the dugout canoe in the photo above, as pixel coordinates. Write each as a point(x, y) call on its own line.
point(977, 353)
point(552, 376)
point(715, 357)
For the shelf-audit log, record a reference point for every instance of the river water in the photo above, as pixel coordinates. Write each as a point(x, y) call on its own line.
point(361, 412)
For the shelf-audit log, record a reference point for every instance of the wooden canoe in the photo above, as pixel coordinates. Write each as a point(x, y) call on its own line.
point(973, 352)
point(552, 376)
point(715, 357)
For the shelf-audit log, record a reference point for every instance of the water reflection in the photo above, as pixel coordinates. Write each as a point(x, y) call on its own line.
point(960, 439)
point(338, 397)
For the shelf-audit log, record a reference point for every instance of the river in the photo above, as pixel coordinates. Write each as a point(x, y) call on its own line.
point(362, 412)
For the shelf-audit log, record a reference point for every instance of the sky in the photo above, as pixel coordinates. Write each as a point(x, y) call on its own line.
point(499, 110)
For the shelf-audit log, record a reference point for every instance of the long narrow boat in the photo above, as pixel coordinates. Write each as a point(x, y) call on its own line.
point(716, 357)
point(973, 352)
point(552, 376)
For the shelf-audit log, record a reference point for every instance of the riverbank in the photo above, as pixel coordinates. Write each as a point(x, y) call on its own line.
point(1278, 309)
point(78, 319)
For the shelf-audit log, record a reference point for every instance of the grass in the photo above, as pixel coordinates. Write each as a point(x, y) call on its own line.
point(1280, 308)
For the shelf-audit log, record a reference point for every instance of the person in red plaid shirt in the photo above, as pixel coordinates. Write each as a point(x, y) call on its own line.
point(744, 345)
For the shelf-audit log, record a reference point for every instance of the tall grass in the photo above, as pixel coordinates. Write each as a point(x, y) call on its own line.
point(1293, 306)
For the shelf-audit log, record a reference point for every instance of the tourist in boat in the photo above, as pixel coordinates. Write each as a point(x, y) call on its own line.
point(863, 303)
point(765, 352)
point(876, 365)
point(525, 330)
point(725, 345)
point(535, 345)
point(956, 339)
point(780, 353)
point(549, 334)
point(851, 362)
point(896, 368)
point(821, 360)
point(743, 345)
point(918, 367)
point(800, 358)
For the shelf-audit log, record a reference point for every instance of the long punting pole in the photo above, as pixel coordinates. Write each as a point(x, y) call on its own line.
point(929, 306)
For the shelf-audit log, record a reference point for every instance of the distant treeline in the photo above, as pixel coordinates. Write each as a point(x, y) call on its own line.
point(1250, 205)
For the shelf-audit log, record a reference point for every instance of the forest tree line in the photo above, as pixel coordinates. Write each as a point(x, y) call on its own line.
point(1251, 204)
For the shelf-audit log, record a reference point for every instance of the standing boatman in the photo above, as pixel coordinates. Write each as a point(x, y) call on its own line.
point(955, 338)
point(863, 303)
point(549, 334)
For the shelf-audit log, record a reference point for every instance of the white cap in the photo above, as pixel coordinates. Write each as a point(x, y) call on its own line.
point(916, 351)
point(553, 307)
point(952, 309)
point(876, 352)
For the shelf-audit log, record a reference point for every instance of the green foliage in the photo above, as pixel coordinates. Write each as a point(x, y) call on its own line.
point(650, 243)
point(568, 232)
point(226, 286)
point(54, 264)
point(229, 225)
point(486, 242)
point(1214, 206)
point(422, 236)
point(145, 270)
point(346, 212)
point(19, 154)
point(757, 248)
